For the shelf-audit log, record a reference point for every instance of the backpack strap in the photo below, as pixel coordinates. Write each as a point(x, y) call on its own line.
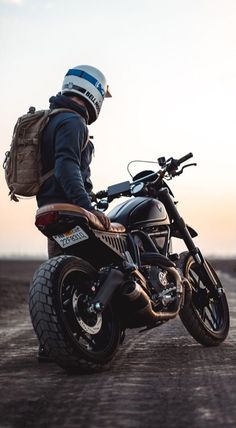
point(44, 177)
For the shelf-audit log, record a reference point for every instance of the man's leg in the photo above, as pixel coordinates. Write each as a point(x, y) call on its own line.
point(54, 248)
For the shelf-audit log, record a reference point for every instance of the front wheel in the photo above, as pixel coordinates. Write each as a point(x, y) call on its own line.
point(59, 298)
point(206, 314)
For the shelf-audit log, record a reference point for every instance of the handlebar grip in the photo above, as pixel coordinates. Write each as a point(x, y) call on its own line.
point(101, 194)
point(184, 158)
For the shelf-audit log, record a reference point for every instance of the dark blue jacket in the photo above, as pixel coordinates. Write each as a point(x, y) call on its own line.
point(62, 149)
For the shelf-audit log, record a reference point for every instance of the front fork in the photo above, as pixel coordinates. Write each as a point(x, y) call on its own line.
point(194, 251)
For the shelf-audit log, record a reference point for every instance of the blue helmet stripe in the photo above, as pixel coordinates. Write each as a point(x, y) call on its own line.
point(88, 77)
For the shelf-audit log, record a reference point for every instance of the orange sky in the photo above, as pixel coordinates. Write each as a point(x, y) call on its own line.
point(171, 67)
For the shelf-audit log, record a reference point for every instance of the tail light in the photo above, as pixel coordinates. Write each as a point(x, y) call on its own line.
point(46, 219)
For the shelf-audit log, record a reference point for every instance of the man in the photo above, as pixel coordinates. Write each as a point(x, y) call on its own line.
point(66, 149)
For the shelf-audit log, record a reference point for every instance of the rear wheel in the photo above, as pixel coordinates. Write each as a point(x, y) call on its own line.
point(60, 295)
point(206, 314)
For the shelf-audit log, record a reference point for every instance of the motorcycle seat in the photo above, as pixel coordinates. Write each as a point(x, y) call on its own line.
point(93, 220)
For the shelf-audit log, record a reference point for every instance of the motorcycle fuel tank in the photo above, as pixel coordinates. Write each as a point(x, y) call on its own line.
point(140, 211)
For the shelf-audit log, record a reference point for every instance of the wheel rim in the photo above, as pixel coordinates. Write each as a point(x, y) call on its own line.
point(93, 333)
point(208, 306)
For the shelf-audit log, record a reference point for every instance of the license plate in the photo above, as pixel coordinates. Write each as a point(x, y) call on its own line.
point(71, 237)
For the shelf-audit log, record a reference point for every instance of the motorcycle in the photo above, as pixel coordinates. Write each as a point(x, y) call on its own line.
point(104, 282)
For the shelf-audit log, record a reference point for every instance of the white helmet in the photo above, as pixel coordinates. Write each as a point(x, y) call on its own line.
point(90, 84)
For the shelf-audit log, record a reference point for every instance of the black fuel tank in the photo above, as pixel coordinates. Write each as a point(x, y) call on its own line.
point(140, 211)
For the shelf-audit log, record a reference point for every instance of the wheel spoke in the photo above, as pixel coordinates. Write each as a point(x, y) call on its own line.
point(86, 338)
point(210, 321)
point(66, 302)
point(203, 308)
point(204, 313)
point(69, 290)
point(214, 316)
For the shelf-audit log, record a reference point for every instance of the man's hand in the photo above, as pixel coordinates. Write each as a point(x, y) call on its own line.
point(102, 218)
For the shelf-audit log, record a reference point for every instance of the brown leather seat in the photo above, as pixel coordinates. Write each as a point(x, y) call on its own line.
point(92, 219)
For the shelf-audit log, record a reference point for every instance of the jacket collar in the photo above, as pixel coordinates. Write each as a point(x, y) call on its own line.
point(66, 102)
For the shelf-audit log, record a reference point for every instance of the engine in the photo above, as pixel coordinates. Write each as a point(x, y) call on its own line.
point(162, 286)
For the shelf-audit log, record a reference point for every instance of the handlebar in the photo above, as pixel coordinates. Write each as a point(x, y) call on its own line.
point(185, 158)
point(101, 194)
point(170, 166)
point(169, 169)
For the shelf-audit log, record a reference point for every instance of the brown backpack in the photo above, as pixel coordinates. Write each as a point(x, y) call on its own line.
point(23, 161)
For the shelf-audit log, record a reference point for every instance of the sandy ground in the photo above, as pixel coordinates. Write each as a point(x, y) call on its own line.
point(162, 378)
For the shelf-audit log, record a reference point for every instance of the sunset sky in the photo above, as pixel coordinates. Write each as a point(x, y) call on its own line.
point(171, 68)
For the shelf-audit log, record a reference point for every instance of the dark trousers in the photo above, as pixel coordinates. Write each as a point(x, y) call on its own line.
point(54, 249)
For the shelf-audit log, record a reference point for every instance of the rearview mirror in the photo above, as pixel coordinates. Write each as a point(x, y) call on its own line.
point(102, 205)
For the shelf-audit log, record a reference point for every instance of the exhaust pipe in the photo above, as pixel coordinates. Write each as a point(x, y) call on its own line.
point(142, 305)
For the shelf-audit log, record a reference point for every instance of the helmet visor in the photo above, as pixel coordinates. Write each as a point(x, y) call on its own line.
point(107, 93)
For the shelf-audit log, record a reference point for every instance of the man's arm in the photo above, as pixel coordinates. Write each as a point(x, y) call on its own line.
point(69, 140)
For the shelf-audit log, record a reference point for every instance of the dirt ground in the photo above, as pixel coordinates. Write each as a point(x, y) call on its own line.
point(162, 378)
